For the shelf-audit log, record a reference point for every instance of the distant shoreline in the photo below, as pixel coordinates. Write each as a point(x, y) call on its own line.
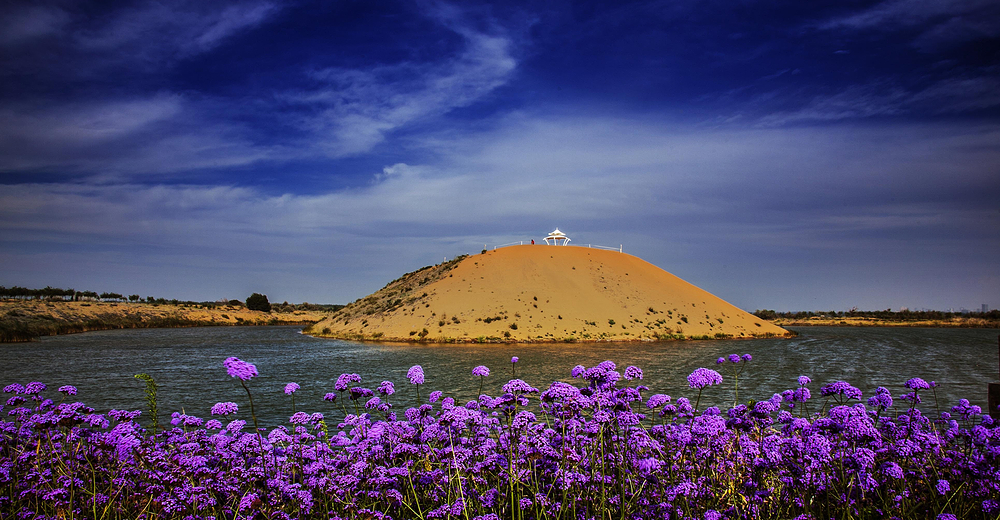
point(951, 323)
point(24, 321)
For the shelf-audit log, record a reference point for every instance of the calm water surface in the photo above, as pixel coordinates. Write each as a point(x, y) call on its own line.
point(187, 364)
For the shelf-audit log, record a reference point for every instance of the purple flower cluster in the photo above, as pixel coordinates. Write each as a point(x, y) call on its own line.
point(416, 375)
point(345, 380)
point(841, 391)
point(602, 449)
point(240, 369)
point(703, 377)
point(227, 408)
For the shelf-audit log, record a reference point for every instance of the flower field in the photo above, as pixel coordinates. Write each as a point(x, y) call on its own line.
point(605, 446)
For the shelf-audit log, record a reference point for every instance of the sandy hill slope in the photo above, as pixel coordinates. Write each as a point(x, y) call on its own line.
point(541, 293)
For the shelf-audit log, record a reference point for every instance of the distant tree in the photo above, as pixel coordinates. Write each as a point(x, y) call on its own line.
point(258, 302)
point(133, 297)
point(765, 314)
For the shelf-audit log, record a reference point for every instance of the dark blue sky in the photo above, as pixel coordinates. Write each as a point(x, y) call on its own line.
point(787, 155)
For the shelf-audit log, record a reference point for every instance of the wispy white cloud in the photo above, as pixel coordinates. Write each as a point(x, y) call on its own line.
point(161, 133)
point(684, 198)
point(951, 95)
point(854, 102)
point(23, 24)
point(910, 13)
point(942, 22)
point(152, 33)
point(355, 109)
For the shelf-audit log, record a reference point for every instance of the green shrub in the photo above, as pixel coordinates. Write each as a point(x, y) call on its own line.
point(258, 302)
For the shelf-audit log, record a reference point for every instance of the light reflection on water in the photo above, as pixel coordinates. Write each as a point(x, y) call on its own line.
point(187, 364)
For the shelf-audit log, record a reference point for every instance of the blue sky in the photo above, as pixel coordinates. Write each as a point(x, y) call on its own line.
point(786, 155)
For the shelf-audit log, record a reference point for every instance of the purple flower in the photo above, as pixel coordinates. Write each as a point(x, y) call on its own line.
point(657, 400)
point(578, 371)
point(647, 465)
point(607, 365)
point(720, 361)
point(416, 375)
point(290, 388)
point(481, 371)
point(946, 516)
point(386, 388)
point(882, 398)
point(893, 470)
point(226, 408)
point(345, 380)
point(559, 390)
point(632, 372)
point(330, 396)
point(841, 388)
point(747, 357)
point(34, 388)
point(356, 392)
point(703, 377)
point(804, 380)
point(240, 369)
point(513, 359)
point(515, 386)
point(734, 358)
point(763, 407)
point(942, 486)
point(299, 418)
point(249, 501)
point(68, 389)
point(917, 384)
point(435, 395)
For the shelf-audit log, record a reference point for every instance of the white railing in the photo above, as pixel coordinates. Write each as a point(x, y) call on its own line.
point(593, 246)
point(619, 248)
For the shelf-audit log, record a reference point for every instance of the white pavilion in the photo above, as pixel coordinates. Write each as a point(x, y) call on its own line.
point(555, 237)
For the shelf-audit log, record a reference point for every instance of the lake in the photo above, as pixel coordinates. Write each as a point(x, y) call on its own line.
point(187, 364)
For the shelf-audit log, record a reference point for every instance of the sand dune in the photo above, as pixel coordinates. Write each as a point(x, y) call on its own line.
point(541, 293)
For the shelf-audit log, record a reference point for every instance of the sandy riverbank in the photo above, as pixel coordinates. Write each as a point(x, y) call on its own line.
point(26, 320)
